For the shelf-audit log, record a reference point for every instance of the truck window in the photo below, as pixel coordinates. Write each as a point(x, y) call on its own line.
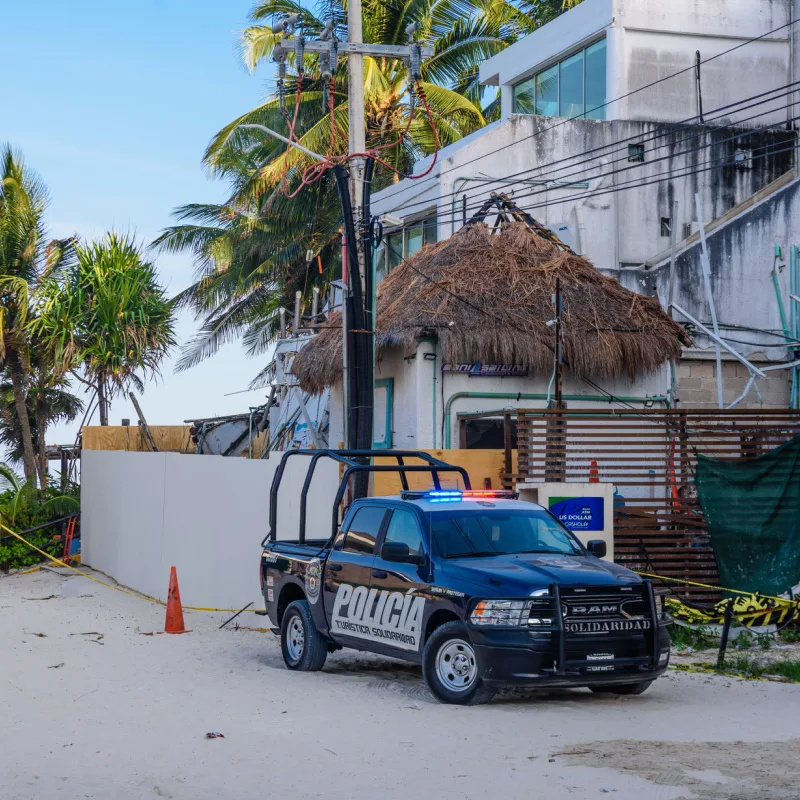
point(486, 533)
point(364, 530)
point(404, 528)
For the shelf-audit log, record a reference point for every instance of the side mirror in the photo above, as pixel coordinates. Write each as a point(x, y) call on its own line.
point(597, 548)
point(398, 552)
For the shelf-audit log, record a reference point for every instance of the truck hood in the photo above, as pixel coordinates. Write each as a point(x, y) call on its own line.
point(518, 575)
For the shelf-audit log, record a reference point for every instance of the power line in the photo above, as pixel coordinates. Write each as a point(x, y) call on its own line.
point(643, 181)
point(635, 138)
point(609, 102)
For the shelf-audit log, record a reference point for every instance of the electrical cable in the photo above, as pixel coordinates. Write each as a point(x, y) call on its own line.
point(637, 138)
point(616, 99)
point(670, 156)
point(445, 212)
point(644, 181)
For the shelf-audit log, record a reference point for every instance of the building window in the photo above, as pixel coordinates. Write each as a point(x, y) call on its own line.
point(666, 226)
point(635, 152)
point(574, 87)
point(743, 159)
point(402, 243)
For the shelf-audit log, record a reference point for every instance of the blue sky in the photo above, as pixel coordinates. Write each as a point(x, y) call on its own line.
point(113, 104)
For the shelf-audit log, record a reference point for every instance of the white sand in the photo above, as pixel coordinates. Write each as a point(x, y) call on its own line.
point(127, 719)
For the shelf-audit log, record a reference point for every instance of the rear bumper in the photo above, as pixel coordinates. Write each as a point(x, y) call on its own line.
point(528, 659)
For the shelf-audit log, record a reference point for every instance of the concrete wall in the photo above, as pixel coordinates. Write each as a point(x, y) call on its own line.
point(648, 40)
point(142, 513)
point(619, 227)
point(697, 385)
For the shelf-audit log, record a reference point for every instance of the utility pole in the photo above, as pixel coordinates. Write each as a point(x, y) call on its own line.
point(357, 137)
point(353, 178)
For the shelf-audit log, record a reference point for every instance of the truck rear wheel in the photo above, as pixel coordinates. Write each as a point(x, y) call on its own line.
point(450, 668)
point(302, 646)
point(622, 688)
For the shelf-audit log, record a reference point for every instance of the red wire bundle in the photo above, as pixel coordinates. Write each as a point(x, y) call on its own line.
point(315, 171)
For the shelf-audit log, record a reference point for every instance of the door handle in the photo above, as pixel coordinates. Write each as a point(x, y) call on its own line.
point(335, 567)
point(379, 573)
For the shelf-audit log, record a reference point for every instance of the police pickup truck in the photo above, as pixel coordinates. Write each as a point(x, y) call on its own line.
point(480, 588)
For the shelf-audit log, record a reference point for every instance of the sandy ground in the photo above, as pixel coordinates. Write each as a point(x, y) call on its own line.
point(125, 716)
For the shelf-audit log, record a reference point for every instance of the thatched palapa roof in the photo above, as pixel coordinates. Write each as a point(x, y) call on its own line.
point(487, 296)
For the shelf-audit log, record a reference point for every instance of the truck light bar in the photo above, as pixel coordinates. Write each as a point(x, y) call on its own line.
point(456, 495)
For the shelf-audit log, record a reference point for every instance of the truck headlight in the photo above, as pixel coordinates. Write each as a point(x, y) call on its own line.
point(507, 613)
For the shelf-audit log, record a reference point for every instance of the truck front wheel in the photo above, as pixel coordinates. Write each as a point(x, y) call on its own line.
point(450, 667)
point(302, 646)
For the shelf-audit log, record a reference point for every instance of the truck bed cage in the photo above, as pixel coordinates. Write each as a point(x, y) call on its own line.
point(354, 461)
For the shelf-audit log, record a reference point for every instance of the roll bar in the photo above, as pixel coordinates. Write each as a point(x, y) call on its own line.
point(354, 462)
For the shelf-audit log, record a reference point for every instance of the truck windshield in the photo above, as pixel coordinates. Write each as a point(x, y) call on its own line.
point(459, 533)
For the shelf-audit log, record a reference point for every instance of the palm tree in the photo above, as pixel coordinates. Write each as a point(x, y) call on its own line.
point(49, 401)
point(106, 317)
point(25, 259)
point(250, 251)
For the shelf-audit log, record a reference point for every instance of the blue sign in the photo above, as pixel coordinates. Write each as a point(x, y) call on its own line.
point(579, 513)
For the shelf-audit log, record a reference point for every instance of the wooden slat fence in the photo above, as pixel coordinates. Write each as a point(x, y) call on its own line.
point(650, 456)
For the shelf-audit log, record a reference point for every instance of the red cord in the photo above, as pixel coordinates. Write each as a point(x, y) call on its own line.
point(315, 171)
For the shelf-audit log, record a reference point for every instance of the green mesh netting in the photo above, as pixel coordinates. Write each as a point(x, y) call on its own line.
point(752, 508)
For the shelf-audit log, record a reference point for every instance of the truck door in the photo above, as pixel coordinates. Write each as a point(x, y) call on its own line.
point(348, 573)
point(398, 614)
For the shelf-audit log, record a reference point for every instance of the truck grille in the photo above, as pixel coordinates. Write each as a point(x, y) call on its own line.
point(584, 603)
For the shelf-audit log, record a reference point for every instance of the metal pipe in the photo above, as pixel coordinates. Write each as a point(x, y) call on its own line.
point(704, 263)
point(794, 293)
point(282, 138)
point(296, 320)
point(717, 339)
point(592, 398)
point(314, 304)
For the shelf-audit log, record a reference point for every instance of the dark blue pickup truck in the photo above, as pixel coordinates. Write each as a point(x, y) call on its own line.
point(481, 589)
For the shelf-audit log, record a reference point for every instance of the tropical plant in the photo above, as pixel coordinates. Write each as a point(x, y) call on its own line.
point(106, 317)
point(23, 506)
point(48, 401)
point(250, 251)
point(23, 199)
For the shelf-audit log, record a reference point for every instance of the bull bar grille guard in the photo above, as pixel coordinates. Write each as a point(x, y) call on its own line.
point(551, 604)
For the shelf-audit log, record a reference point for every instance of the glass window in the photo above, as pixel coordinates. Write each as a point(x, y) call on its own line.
point(574, 87)
point(364, 530)
point(405, 529)
point(595, 91)
point(394, 246)
point(547, 92)
point(570, 86)
point(414, 239)
point(489, 533)
point(431, 232)
point(525, 97)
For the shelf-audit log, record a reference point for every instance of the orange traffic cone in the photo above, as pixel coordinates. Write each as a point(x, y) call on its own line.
point(594, 474)
point(174, 622)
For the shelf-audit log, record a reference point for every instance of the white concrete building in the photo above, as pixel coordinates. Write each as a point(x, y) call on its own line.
point(601, 139)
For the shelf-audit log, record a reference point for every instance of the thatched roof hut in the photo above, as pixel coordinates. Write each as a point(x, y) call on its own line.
point(487, 297)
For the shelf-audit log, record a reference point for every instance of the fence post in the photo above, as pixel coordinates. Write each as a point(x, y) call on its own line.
point(726, 629)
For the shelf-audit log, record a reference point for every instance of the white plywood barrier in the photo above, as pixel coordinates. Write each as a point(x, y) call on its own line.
point(142, 513)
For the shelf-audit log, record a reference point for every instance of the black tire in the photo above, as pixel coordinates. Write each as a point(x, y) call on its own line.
point(304, 650)
point(453, 636)
point(623, 688)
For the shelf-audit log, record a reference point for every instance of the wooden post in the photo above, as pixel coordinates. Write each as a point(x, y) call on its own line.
point(508, 481)
point(143, 423)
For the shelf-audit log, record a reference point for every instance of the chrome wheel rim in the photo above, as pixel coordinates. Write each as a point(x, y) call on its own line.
point(456, 666)
point(295, 639)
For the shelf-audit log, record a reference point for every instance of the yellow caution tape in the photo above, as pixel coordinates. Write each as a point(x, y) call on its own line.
point(58, 562)
point(752, 609)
